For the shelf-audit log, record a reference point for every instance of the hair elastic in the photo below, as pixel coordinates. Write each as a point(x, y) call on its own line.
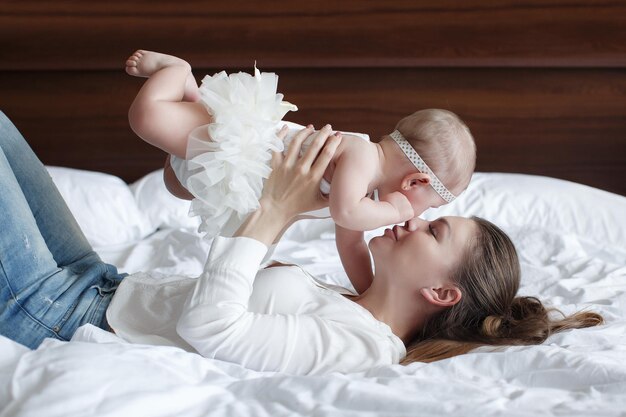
point(421, 166)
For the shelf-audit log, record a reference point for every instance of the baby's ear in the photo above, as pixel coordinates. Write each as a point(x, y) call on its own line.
point(416, 179)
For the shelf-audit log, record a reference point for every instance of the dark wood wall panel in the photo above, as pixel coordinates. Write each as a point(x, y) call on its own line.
point(541, 83)
point(64, 34)
point(564, 123)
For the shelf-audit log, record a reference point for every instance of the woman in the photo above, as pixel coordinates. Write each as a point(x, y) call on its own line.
point(440, 287)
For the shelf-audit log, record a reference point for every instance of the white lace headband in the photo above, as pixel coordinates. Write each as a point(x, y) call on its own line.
point(421, 166)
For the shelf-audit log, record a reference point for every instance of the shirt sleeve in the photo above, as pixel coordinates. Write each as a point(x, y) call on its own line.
point(216, 322)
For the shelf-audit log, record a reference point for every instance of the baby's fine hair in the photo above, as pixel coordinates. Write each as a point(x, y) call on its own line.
point(445, 143)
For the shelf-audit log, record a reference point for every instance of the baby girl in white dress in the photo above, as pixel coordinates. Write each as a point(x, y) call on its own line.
point(221, 136)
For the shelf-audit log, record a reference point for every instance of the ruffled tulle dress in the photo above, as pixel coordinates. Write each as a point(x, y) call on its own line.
point(228, 160)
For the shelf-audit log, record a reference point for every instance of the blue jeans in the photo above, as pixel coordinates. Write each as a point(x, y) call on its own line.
point(51, 280)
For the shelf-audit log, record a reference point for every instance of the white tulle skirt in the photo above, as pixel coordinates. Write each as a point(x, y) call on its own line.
point(228, 160)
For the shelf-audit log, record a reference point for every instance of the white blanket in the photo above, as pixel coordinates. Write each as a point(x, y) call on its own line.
point(571, 244)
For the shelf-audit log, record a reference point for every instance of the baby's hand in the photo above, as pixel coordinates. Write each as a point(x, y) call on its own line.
point(402, 204)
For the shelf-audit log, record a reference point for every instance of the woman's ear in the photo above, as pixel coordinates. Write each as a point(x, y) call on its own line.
point(443, 296)
point(416, 179)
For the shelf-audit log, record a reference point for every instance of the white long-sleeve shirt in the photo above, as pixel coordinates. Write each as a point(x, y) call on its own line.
point(274, 319)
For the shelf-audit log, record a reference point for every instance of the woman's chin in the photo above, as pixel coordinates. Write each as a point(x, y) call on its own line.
point(383, 239)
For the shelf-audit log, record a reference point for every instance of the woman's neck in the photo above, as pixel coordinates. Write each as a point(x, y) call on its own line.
point(400, 310)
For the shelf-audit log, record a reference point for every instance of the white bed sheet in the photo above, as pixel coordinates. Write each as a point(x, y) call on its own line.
point(571, 243)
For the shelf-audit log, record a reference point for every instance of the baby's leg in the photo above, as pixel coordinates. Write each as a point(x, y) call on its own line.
point(158, 114)
point(145, 63)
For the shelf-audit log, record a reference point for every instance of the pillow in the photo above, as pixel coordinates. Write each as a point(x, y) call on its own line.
point(162, 209)
point(103, 206)
point(514, 200)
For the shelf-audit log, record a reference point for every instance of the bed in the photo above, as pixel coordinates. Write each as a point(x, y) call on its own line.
point(571, 243)
point(541, 85)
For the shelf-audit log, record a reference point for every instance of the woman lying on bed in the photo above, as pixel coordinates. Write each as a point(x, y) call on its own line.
point(441, 288)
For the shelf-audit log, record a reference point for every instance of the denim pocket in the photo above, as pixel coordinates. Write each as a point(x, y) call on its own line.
point(89, 303)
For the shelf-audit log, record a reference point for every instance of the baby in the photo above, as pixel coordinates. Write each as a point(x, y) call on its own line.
point(221, 136)
point(422, 143)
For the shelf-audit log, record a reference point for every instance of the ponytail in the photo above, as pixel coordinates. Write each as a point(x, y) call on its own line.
point(529, 323)
point(489, 312)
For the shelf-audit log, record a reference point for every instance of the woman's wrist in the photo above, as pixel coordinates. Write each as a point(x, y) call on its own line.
point(265, 223)
point(278, 210)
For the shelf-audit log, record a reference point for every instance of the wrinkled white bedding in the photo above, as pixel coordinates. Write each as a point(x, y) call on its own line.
point(571, 244)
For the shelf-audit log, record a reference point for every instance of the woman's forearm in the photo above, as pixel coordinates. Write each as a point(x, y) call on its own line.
point(264, 224)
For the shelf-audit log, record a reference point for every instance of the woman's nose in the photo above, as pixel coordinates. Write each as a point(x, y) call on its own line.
point(415, 223)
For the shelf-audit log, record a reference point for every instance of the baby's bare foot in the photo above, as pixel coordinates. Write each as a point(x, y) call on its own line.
point(145, 63)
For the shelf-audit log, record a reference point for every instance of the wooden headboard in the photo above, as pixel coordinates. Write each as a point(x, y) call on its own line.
point(541, 84)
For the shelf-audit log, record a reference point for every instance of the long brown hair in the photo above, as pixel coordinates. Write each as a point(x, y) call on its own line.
point(489, 312)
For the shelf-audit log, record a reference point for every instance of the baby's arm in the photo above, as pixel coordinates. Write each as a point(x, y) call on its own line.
point(349, 205)
point(355, 257)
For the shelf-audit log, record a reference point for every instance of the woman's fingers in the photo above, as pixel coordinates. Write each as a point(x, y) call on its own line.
point(316, 145)
point(277, 157)
point(325, 155)
point(282, 133)
point(293, 186)
point(293, 153)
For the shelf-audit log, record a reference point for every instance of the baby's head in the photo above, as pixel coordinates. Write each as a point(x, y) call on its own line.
point(447, 147)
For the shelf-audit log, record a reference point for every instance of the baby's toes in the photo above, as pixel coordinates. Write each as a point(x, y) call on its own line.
point(132, 70)
point(132, 61)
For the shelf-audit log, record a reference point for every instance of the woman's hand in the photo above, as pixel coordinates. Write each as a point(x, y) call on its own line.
point(293, 186)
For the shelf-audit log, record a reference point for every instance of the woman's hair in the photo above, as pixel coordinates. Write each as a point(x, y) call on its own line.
point(489, 313)
point(444, 142)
